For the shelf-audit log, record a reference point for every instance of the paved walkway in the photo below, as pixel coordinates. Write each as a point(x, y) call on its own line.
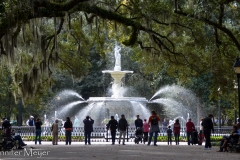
point(106, 151)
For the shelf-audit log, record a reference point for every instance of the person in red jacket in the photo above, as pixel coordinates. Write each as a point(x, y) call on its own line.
point(189, 129)
point(176, 131)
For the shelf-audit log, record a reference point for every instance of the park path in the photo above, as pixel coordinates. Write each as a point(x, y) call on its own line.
point(106, 151)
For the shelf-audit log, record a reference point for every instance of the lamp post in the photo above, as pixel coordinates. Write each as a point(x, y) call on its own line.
point(219, 108)
point(235, 102)
point(237, 71)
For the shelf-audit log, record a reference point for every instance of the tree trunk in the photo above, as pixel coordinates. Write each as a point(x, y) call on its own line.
point(19, 116)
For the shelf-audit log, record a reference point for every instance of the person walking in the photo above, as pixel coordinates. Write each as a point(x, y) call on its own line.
point(122, 127)
point(112, 125)
point(169, 134)
point(207, 128)
point(38, 125)
point(153, 121)
point(138, 122)
point(189, 129)
point(88, 128)
point(68, 130)
point(145, 130)
point(176, 131)
point(55, 132)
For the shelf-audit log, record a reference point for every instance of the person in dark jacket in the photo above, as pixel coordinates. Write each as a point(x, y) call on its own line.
point(169, 134)
point(68, 130)
point(38, 125)
point(88, 128)
point(112, 125)
point(207, 128)
point(6, 127)
point(122, 127)
point(138, 122)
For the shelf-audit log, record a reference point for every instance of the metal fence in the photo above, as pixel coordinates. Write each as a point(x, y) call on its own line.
point(100, 133)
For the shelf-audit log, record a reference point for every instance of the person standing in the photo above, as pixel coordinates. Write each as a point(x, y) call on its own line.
point(164, 125)
point(112, 125)
point(153, 121)
point(122, 127)
point(68, 130)
point(38, 125)
point(145, 130)
point(88, 128)
point(169, 134)
point(176, 131)
point(189, 129)
point(207, 128)
point(201, 132)
point(138, 122)
point(30, 122)
point(55, 132)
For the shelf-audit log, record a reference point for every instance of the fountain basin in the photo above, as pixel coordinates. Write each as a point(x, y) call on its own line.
point(111, 99)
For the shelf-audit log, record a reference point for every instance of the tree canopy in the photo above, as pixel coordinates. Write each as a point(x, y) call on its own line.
point(191, 38)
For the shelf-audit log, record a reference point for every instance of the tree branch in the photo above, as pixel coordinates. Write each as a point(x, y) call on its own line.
point(207, 21)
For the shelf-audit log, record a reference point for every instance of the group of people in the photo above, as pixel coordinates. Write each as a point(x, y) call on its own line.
point(68, 125)
point(150, 127)
point(206, 128)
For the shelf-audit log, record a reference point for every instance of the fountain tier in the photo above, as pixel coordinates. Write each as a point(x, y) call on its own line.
point(117, 83)
point(109, 99)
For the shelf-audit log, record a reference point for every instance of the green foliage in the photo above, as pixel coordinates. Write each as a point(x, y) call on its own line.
point(216, 138)
point(49, 138)
point(194, 45)
point(164, 139)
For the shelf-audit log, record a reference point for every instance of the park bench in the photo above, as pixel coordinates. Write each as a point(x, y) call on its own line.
point(234, 146)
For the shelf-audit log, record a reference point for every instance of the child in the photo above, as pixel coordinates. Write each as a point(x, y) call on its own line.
point(169, 134)
point(145, 130)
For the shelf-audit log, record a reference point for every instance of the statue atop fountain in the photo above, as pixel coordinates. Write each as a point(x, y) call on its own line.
point(117, 86)
point(117, 58)
point(117, 74)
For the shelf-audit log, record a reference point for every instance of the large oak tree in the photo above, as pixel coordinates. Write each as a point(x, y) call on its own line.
point(191, 37)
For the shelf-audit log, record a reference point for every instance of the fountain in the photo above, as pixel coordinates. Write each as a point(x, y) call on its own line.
point(117, 74)
point(101, 108)
point(177, 101)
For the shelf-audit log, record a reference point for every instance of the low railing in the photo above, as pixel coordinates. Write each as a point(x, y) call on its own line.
point(100, 133)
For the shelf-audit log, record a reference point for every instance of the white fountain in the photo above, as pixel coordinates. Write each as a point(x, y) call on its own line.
point(117, 74)
point(176, 101)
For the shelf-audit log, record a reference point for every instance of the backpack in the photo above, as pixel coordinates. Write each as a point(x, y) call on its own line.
point(154, 120)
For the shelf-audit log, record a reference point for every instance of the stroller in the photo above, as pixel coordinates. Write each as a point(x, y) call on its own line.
point(138, 135)
point(195, 137)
